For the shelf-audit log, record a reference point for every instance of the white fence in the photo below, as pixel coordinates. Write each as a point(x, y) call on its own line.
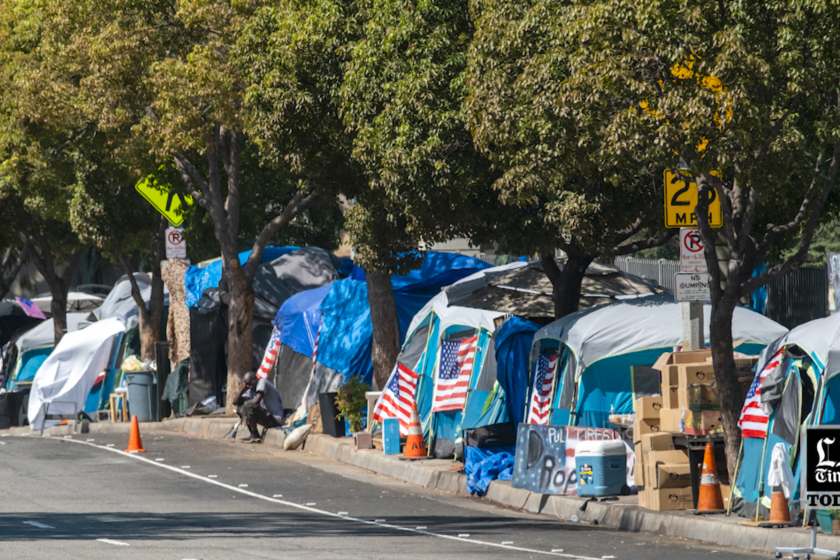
point(660, 271)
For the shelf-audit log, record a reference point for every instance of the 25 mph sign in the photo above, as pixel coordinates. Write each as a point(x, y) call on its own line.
point(692, 257)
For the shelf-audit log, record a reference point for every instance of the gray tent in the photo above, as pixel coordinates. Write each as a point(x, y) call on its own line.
point(278, 280)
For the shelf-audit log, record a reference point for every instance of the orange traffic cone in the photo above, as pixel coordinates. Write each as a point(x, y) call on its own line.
point(710, 499)
point(779, 508)
point(414, 444)
point(134, 443)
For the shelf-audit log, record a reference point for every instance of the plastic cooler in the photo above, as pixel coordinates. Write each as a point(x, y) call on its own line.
point(601, 468)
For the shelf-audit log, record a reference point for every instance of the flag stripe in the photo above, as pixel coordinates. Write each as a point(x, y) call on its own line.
point(754, 420)
point(398, 398)
point(452, 379)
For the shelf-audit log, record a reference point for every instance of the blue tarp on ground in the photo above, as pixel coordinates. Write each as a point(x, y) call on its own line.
point(483, 466)
point(346, 331)
point(299, 318)
point(513, 351)
point(196, 280)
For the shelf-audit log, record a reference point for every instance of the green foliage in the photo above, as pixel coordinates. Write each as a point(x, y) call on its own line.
point(351, 402)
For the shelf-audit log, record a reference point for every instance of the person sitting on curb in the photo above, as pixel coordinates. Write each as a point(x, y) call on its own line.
point(258, 402)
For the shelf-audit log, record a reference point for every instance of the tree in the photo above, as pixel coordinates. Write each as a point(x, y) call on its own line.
point(556, 190)
point(13, 256)
point(749, 89)
point(161, 77)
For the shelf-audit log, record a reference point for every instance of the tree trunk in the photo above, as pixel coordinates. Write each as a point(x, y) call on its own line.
point(567, 283)
point(240, 329)
point(386, 328)
point(726, 377)
point(58, 309)
point(150, 317)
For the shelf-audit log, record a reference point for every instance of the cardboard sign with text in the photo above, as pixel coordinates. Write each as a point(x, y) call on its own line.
point(545, 457)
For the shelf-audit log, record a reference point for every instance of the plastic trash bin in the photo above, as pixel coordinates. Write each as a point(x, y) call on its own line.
point(601, 468)
point(142, 395)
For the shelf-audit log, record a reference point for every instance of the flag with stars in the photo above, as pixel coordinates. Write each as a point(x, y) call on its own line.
point(398, 397)
point(540, 405)
point(754, 418)
point(453, 375)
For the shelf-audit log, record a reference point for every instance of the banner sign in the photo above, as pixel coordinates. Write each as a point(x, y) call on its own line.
point(821, 483)
point(545, 457)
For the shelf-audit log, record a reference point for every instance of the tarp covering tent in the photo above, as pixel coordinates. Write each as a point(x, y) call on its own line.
point(76, 301)
point(65, 379)
point(599, 346)
point(198, 279)
point(800, 387)
point(33, 348)
point(304, 269)
point(524, 290)
point(121, 304)
point(346, 333)
point(512, 343)
point(126, 344)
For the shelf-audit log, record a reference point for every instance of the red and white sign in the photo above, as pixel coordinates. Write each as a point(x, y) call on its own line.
point(176, 244)
point(692, 256)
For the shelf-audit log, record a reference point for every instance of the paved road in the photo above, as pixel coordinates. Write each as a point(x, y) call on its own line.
point(184, 499)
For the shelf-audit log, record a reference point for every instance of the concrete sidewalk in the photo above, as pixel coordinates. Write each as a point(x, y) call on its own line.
point(445, 475)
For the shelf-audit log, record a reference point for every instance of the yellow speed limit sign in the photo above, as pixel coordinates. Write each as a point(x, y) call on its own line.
point(681, 199)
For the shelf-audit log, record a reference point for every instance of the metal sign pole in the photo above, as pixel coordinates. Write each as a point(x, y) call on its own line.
point(692, 324)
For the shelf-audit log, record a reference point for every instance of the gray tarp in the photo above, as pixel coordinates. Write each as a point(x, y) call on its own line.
point(120, 303)
point(304, 269)
point(820, 337)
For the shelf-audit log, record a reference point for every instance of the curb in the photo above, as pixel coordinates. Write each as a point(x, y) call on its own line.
point(435, 474)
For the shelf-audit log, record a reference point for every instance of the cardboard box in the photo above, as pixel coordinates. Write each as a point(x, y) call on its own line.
point(670, 397)
point(662, 441)
point(639, 468)
point(725, 489)
point(703, 396)
point(666, 456)
point(643, 498)
point(647, 408)
point(668, 499)
point(669, 475)
point(642, 427)
point(702, 422)
point(669, 421)
point(690, 374)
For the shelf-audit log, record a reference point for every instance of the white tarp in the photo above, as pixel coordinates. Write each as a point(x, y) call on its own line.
point(43, 334)
point(66, 377)
point(820, 337)
point(646, 322)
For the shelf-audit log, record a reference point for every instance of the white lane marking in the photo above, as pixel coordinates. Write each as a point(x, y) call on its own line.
point(379, 521)
point(311, 504)
point(159, 459)
point(68, 437)
point(342, 513)
point(555, 552)
point(109, 541)
point(4, 435)
point(91, 439)
point(507, 542)
point(2, 443)
point(185, 466)
point(278, 495)
point(212, 476)
point(464, 535)
point(39, 525)
point(243, 486)
point(422, 528)
point(110, 445)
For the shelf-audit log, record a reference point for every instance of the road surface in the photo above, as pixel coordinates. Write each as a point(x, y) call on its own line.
point(192, 498)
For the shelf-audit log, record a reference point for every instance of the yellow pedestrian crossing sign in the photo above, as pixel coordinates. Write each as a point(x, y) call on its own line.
point(681, 199)
point(171, 205)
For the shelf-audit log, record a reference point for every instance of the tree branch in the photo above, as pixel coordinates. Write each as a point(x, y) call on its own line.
point(191, 176)
point(136, 294)
point(7, 280)
point(629, 231)
point(802, 255)
point(297, 206)
point(650, 242)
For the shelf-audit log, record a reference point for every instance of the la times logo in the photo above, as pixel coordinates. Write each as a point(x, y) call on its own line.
point(822, 473)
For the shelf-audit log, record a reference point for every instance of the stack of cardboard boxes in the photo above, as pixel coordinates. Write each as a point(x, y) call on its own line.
point(689, 394)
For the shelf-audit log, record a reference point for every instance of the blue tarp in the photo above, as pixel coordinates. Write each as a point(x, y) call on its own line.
point(196, 280)
point(513, 350)
point(483, 466)
point(299, 318)
point(346, 331)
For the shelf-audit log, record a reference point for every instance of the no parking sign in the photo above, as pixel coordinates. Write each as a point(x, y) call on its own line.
point(176, 244)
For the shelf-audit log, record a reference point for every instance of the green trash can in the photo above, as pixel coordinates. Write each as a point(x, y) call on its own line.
point(142, 395)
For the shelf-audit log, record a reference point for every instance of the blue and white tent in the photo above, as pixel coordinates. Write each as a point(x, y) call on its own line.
point(598, 348)
point(805, 390)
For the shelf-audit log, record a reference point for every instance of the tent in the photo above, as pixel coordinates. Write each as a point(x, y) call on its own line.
point(65, 379)
point(345, 335)
point(512, 343)
point(126, 344)
point(598, 348)
point(120, 303)
point(33, 347)
point(524, 290)
point(13, 319)
point(76, 302)
point(803, 389)
point(197, 279)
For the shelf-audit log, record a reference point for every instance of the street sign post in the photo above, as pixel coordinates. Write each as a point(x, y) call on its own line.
point(692, 256)
point(681, 200)
point(176, 244)
point(171, 205)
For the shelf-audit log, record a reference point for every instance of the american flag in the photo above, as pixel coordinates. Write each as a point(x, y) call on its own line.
point(541, 390)
point(754, 419)
point(453, 377)
point(398, 397)
point(270, 355)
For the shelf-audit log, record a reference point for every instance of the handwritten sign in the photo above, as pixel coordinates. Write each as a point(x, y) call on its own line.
point(545, 457)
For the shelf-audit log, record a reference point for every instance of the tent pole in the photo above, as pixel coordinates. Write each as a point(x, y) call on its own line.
point(734, 479)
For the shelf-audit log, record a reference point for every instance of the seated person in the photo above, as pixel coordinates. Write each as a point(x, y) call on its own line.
point(258, 402)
